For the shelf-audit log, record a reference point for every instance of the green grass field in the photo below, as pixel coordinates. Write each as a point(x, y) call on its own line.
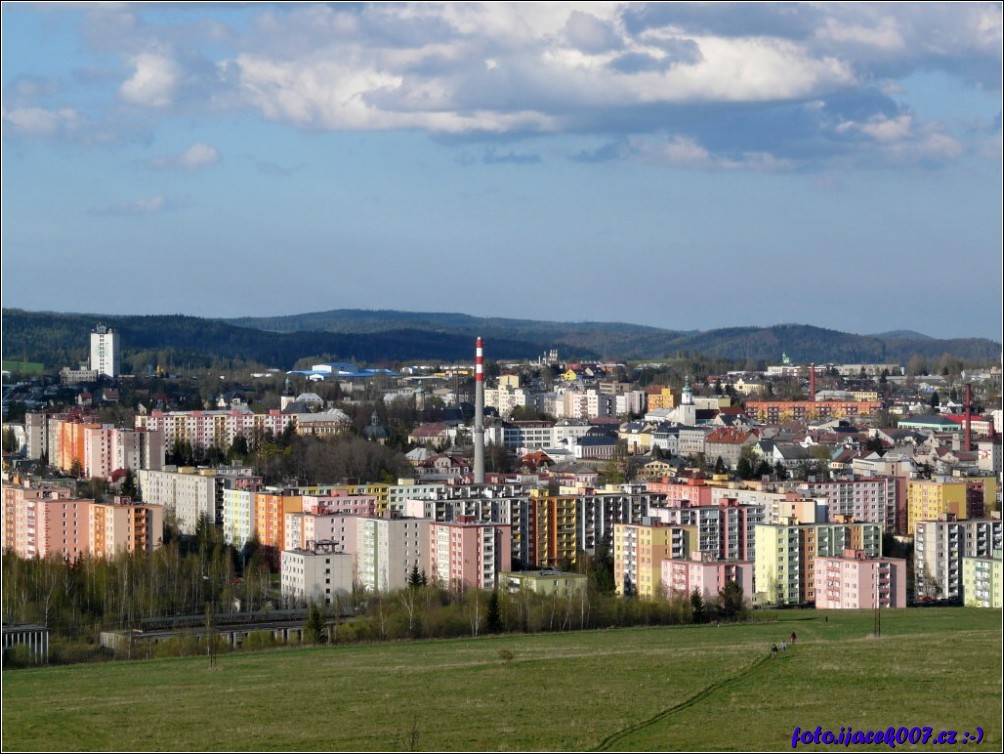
point(681, 688)
point(23, 367)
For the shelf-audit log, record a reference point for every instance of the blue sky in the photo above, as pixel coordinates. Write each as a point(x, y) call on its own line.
point(683, 166)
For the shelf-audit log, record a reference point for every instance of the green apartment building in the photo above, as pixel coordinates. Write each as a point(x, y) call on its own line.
point(786, 555)
point(983, 581)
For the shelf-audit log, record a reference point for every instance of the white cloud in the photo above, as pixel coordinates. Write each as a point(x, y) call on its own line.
point(744, 70)
point(336, 96)
point(884, 34)
point(145, 206)
point(933, 146)
point(609, 69)
point(40, 121)
point(889, 129)
point(686, 152)
point(901, 139)
point(194, 158)
point(153, 82)
point(588, 33)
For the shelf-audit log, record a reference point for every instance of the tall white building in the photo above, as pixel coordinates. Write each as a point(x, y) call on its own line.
point(105, 351)
point(388, 549)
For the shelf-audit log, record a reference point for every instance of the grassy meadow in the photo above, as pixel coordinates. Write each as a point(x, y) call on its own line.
point(674, 688)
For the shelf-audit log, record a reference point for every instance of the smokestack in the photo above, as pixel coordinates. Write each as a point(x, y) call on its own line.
point(812, 382)
point(479, 414)
point(967, 440)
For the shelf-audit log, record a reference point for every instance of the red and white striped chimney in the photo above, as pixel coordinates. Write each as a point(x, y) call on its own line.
point(479, 413)
point(967, 440)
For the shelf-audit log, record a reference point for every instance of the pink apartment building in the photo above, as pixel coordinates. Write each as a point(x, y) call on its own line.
point(707, 576)
point(341, 502)
point(468, 553)
point(108, 449)
point(208, 428)
point(304, 530)
point(693, 490)
point(44, 522)
point(49, 522)
point(856, 581)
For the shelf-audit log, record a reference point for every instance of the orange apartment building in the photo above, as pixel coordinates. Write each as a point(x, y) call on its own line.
point(125, 526)
point(269, 510)
point(43, 522)
point(778, 412)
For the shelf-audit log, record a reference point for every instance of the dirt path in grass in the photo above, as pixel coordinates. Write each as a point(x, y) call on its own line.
point(608, 743)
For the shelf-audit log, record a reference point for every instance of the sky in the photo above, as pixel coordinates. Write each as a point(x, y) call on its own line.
point(687, 166)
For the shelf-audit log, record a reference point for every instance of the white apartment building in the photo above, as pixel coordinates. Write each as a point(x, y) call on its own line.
point(389, 549)
point(316, 575)
point(187, 493)
point(939, 547)
point(238, 517)
point(204, 429)
point(105, 351)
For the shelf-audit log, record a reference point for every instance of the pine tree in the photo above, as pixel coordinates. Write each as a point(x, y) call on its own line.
point(494, 619)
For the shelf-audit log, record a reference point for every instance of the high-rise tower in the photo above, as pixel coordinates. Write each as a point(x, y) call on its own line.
point(105, 351)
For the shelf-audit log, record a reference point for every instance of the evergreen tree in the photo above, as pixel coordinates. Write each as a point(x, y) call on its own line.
point(697, 604)
point(494, 620)
point(415, 579)
point(732, 601)
point(604, 573)
point(313, 629)
point(129, 487)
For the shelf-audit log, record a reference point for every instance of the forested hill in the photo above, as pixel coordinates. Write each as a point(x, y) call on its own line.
point(379, 337)
point(617, 340)
point(64, 339)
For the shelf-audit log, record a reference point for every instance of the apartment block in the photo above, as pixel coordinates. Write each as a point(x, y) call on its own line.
point(855, 581)
point(270, 509)
point(186, 493)
point(939, 548)
point(786, 554)
point(46, 521)
point(50, 522)
point(927, 500)
point(303, 530)
point(108, 449)
point(318, 574)
point(707, 576)
point(205, 429)
point(105, 351)
point(725, 531)
point(779, 412)
point(983, 581)
point(468, 553)
point(238, 517)
point(547, 582)
point(388, 550)
point(639, 552)
point(125, 526)
point(872, 499)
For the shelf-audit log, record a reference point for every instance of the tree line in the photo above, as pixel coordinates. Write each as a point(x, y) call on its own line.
point(77, 599)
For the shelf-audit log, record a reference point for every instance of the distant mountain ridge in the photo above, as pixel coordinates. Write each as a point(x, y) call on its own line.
point(58, 339)
point(617, 340)
point(901, 335)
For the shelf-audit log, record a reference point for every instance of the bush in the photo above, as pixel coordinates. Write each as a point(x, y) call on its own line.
point(257, 640)
point(69, 651)
point(18, 656)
